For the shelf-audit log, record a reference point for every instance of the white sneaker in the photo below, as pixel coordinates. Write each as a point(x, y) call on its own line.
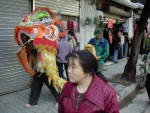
point(30, 106)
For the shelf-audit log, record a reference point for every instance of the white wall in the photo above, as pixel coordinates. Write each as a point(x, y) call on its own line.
point(131, 31)
point(129, 26)
point(148, 26)
point(87, 10)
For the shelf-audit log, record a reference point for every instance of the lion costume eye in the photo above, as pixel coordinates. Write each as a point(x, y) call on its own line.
point(42, 16)
point(43, 19)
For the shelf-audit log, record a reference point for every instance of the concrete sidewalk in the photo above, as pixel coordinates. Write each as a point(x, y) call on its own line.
point(14, 102)
point(113, 69)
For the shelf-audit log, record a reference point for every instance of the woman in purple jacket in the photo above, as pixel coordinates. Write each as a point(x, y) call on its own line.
point(86, 92)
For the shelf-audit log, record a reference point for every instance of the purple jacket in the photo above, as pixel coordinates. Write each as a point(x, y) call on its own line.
point(63, 49)
point(99, 98)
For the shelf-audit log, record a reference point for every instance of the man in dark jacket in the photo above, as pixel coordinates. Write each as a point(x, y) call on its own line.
point(116, 41)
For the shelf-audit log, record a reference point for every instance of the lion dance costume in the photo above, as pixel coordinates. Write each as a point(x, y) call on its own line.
point(37, 37)
point(90, 47)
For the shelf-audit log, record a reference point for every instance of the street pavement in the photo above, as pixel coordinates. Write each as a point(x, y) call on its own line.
point(138, 104)
point(14, 102)
point(112, 69)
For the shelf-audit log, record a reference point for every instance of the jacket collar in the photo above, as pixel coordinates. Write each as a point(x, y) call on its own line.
point(92, 94)
point(70, 91)
point(101, 40)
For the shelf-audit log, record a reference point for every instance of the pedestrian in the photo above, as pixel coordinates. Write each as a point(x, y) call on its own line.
point(63, 50)
point(125, 49)
point(86, 92)
point(129, 46)
point(122, 41)
point(72, 39)
point(146, 44)
point(143, 38)
point(101, 46)
point(147, 83)
point(36, 86)
point(116, 42)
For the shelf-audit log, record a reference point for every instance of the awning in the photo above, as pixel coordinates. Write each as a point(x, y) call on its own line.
point(118, 11)
point(130, 4)
point(127, 3)
point(108, 16)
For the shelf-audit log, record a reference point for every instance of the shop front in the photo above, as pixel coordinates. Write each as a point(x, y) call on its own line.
point(12, 77)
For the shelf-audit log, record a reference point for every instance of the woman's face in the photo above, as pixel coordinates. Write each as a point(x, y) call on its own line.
point(75, 71)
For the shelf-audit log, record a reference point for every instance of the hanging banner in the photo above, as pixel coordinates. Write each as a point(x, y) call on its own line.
point(110, 23)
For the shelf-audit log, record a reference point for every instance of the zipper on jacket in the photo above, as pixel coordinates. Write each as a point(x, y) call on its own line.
point(79, 104)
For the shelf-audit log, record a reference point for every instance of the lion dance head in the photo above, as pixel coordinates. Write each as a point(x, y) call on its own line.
point(37, 37)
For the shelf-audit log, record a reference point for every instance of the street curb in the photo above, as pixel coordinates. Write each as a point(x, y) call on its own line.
point(111, 62)
point(124, 93)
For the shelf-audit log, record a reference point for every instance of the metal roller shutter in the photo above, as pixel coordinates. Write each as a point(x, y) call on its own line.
point(12, 75)
point(64, 7)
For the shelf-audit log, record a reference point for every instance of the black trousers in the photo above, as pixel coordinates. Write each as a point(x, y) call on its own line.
point(61, 70)
point(147, 85)
point(36, 87)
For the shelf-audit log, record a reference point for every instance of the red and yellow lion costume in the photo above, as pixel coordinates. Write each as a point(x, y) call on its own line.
point(37, 37)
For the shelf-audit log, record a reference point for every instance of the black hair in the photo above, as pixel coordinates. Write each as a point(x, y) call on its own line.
point(88, 62)
point(71, 32)
point(120, 31)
